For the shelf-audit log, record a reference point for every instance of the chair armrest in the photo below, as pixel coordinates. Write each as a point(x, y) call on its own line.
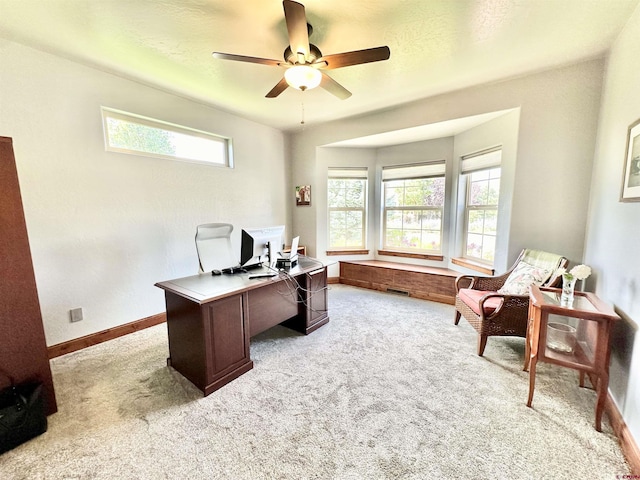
point(465, 281)
point(510, 303)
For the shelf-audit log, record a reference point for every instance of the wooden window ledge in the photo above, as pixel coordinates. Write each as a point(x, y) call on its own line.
point(333, 253)
point(417, 256)
point(470, 264)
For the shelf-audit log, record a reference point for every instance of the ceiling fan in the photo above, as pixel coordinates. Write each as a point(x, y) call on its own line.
point(304, 61)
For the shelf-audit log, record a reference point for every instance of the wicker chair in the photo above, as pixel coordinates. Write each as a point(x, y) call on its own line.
point(496, 314)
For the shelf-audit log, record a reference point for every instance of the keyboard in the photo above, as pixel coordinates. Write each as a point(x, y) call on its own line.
point(262, 275)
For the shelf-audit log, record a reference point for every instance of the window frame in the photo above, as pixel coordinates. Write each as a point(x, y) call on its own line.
point(111, 113)
point(348, 173)
point(418, 171)
point(479, 162)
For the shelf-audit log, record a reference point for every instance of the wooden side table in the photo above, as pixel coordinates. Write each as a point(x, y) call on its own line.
point(574, 336)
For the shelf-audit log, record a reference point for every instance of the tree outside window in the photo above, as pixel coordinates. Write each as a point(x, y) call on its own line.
point(347, 212)
point(413, 211)
point(483, 194)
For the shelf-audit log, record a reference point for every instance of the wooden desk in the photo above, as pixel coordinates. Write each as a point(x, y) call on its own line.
point(574, 336)
point(210, 318)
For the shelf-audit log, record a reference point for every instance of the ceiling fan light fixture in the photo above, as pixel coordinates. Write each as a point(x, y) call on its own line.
point(303, 77)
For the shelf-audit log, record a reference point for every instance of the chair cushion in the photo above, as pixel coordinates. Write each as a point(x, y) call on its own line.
point(522, 277)
point(472, 299)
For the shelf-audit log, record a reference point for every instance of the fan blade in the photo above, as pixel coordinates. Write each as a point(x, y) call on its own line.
point(356, 57)
point(278, 89)
point(243, 58)
point(333, 87)
point(297, 27)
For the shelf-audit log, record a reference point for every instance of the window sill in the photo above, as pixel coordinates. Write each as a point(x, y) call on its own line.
point(333, 253)
point(418, 256)
point(470, 264)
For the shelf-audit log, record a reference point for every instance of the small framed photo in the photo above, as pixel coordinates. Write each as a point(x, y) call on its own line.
point(303, 195)
point(631, 174)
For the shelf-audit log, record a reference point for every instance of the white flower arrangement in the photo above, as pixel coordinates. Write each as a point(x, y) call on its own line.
point(580, 272)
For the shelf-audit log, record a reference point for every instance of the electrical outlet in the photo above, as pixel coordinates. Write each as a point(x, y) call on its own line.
point(76, 314)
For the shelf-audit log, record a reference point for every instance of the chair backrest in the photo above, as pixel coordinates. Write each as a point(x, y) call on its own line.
point(213, 245)
point(548, 261)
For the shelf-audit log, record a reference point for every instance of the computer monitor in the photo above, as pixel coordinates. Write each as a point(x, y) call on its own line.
point(260, 244)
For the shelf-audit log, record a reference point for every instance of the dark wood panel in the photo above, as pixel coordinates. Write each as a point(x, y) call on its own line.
point(23, 348)
point(227, 335)
point(429, 283)
point(271, 305)
point(187, 342)
point(105, 335)
point(316, 297)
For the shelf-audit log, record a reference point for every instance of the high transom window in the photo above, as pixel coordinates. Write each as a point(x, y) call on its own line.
point(134, 134)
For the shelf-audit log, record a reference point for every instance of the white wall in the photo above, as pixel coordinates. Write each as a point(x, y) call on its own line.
point(614, 228)
point(555, 145)
point(104, 227)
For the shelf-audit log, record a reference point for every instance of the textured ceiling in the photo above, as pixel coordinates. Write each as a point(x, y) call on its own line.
point(436, 45)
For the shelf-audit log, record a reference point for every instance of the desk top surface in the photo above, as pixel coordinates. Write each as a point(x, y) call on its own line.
point(205, 287)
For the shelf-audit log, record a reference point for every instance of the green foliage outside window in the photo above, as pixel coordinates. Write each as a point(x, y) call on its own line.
point(346, 201)
point(134, 136)
point(413, 214)
point(482, 214)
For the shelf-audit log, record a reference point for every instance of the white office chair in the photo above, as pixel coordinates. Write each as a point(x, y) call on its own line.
point(213, 244)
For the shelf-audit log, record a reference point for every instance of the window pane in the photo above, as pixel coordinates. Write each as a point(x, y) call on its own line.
point(393, 196)
point(482, 220)
point(411, 221)
point(412, 238)
point(431, 240)
point(474, 246)
point(479, 193)
point(393, 237)
point(394, 219)
point(493, 193)
point(346, 198)
point(337, 223)
point(488, 248)
point(354, 194)
point(476, 221)
point(490, 222)
point(335, 196)
point(128, 133)
point(432, 220)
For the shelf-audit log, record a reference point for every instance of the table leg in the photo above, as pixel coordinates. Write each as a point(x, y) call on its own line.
point(532, 379)
point(581, 379)
point(603, 384)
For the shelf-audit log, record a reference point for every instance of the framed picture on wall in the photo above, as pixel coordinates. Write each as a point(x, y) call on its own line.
point(631, 174)
point(303, 195)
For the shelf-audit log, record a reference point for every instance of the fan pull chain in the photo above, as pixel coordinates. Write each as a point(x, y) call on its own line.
point(302, 115)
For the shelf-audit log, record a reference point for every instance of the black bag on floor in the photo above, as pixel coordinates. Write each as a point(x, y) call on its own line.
point(22, 414)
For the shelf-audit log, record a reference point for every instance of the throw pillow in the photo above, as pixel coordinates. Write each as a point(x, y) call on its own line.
point(523, 276)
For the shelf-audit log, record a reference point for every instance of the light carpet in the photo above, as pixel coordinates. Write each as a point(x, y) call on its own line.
point(388, 389)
